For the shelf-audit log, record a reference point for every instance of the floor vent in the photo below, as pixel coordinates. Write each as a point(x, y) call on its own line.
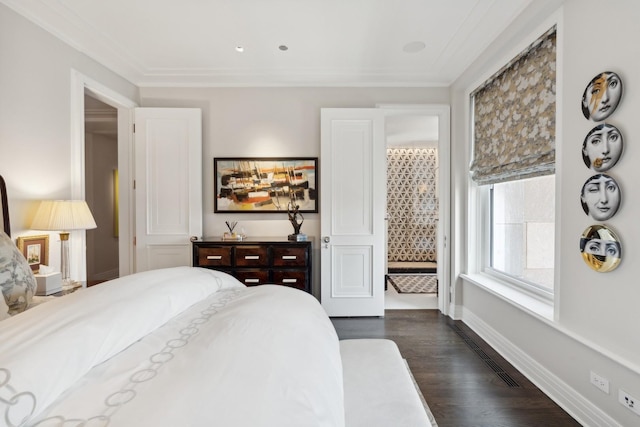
point(508, 379)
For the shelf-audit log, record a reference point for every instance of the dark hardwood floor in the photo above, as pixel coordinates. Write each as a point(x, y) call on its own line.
point(464, 381)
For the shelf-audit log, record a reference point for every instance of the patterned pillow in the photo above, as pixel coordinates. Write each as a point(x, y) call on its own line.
point(17, 281)
point(4, 310)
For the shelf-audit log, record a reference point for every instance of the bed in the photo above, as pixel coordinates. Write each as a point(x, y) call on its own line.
point(188, 346)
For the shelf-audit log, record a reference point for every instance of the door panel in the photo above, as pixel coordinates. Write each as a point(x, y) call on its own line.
point(163, 256)
point(352, 272)
point(168, 151)
point(352, 220)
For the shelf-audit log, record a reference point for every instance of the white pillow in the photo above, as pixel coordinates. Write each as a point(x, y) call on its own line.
point(17, 282)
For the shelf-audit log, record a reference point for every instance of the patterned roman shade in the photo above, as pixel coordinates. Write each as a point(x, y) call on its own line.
point(514, 117)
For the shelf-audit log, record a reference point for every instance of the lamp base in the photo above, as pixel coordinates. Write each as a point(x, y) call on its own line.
point(68, 284)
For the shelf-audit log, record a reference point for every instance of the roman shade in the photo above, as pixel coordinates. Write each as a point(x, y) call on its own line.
point(514, 117)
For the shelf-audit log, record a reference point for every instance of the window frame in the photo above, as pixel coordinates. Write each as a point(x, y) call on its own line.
point(538, 302)
point(533, 288)
point(484, 245)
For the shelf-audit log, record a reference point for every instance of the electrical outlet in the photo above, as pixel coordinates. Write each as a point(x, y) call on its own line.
point(629, 401)
point(599, 381)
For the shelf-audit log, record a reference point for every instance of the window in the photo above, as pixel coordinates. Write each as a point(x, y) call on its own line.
point(513, 117)
point(522, 229)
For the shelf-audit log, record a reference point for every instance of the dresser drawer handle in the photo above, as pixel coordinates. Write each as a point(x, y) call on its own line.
point(214, 256)
point(289, 257)
point(252, 257)
point(251, 280)
point(289, 280)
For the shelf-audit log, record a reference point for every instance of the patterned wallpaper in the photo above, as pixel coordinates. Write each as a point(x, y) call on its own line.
point(412, 204)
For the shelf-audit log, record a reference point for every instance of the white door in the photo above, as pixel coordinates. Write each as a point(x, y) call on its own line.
point(168, 185)
point(352, 225)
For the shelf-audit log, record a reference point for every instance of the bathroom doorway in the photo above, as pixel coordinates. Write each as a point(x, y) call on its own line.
point(412, 211)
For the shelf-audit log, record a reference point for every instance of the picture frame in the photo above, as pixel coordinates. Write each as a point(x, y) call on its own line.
point(265, 184)
point(35, 250)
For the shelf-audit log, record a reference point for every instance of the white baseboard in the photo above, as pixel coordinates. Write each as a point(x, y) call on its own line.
point(560, 392)
point(456, 311)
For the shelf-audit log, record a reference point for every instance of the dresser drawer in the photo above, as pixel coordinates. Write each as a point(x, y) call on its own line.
point(293, 278)
point(289, 256)
point(252, 256)
point(256, 261)
point(215, 257)
point(252, 277)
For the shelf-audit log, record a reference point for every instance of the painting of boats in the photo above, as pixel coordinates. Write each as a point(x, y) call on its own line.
point(265, 184)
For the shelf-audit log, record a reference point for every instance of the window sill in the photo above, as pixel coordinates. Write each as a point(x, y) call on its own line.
point(512, 295)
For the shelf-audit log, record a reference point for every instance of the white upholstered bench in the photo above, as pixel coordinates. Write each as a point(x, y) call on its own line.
point(378, 389)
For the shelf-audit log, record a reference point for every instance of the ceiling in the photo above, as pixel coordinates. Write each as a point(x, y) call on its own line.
point(286, 42)
point(100, 118)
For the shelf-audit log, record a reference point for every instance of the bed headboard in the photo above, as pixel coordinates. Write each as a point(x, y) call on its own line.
point(4, 212)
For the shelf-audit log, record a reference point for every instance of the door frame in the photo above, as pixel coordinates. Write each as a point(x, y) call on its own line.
point(443, 112)
point(77, 248)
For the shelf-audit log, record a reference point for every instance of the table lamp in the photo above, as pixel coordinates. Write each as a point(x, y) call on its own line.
point(63, 216)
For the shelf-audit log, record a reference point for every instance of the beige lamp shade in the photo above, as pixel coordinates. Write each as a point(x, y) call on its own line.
point(63, 215)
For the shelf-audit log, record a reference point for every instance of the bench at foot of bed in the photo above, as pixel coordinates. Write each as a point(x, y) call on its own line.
point(378, 388)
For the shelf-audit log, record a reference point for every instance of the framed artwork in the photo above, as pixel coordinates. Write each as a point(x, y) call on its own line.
point(267, 184)
point(601, 249)
point(602, 96)
point(602, 147)
point(35, 250)
point(600, 197)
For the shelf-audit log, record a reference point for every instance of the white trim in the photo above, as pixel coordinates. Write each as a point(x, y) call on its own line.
point(512, 295)
point(508, 55)
point(559, 154)
point(560, 392)
point(478, 243)
point(77, 247)
point(536, 290)
point(76, 33)
point(547, 320)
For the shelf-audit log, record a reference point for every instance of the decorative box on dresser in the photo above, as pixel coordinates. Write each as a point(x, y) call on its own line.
point(258, 261)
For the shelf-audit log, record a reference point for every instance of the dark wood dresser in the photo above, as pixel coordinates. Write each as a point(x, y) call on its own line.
point(257, 261)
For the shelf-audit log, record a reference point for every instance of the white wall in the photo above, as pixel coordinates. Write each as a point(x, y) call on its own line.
point(271, 122)
point(596, 327)
point(35, 116)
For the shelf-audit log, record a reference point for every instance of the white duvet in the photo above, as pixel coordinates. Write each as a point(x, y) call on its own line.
point(174, 347)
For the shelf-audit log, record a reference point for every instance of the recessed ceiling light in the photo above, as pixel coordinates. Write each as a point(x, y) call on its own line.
point(239, 49)
point(283, 47)
point(414, 47)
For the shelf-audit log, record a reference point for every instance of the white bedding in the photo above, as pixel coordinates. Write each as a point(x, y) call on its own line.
point(175, 347)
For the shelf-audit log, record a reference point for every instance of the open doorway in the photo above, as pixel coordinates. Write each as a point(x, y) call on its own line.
point(81, 86)
point(101, 189)
point(412, 145)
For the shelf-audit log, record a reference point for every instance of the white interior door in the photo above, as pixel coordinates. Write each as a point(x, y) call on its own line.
point(352, 218)
point(168, 185)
